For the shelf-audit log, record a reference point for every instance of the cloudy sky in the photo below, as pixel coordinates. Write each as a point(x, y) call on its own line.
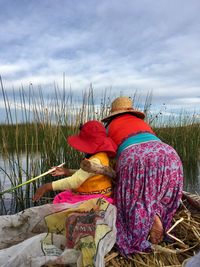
point(138, 45)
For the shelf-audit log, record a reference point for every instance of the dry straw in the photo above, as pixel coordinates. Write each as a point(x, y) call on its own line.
point(185, 242)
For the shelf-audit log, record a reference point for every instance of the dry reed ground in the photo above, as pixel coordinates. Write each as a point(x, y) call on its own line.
point(173, 254)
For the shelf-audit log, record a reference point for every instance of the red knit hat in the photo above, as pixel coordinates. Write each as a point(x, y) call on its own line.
point(93, 139)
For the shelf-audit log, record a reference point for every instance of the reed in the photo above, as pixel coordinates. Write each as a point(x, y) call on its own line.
point(171, 253)
point(182, 133)
point(33, 137)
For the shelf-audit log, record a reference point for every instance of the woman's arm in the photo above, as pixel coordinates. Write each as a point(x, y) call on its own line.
point(74, 181)
point(94, 167)
point(62, 171)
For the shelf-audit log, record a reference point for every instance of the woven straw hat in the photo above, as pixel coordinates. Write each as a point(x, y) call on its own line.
point(122, 105)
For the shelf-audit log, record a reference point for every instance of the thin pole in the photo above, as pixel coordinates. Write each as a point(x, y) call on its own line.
point(31, 180)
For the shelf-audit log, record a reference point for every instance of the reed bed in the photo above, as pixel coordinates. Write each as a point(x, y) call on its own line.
point(33, 136)
point(172, 253)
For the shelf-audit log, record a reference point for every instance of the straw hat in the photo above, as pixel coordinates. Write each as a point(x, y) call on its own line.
point(122, 105)
point(92, 139)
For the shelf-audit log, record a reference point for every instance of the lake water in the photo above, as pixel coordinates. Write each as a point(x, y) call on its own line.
point(10, 169)
point(191, 183)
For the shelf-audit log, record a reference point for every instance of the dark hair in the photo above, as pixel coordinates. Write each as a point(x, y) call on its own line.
point(87, 156)
point(80, 126)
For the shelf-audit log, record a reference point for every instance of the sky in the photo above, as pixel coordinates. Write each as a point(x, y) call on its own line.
point(122, 45)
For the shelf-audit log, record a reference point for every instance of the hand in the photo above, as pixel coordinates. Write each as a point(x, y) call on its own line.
point(42, 190)
point(60, 171)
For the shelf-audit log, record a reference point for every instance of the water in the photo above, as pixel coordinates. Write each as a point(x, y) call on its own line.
point(15, 165)
point(18, 169)
point(11, 168)
point(192, 180)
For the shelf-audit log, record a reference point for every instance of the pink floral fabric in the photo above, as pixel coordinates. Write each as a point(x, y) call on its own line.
point(149, 182)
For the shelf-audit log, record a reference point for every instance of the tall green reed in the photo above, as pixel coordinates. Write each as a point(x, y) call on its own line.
point(37, 125)
point(182, 132)
point(33, 137)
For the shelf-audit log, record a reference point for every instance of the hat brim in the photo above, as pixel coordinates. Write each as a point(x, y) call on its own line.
point(76, 142)
point(134, 112)
point(92, 147)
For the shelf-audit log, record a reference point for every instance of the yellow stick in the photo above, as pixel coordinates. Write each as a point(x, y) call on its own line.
point(31, 180)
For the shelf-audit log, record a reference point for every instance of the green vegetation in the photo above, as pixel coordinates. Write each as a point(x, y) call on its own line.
point(35, 130)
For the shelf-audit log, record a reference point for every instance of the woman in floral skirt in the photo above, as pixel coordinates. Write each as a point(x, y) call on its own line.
point(149, 181)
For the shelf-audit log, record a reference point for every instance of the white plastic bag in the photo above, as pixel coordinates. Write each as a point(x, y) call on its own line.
point(41, 235)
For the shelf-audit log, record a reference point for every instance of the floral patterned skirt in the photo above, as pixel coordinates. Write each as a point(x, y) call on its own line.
point(149, 182)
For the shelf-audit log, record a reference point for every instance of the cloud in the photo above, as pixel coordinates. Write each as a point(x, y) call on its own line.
point(124, 45)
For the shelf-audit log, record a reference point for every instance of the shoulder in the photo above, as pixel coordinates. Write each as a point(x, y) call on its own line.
point(100, 155)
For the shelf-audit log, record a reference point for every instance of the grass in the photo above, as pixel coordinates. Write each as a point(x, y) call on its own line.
point(36, 128)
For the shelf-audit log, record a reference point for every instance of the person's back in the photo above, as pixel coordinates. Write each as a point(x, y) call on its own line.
point(80, 186)
point(126, 125)
point(98, 183)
